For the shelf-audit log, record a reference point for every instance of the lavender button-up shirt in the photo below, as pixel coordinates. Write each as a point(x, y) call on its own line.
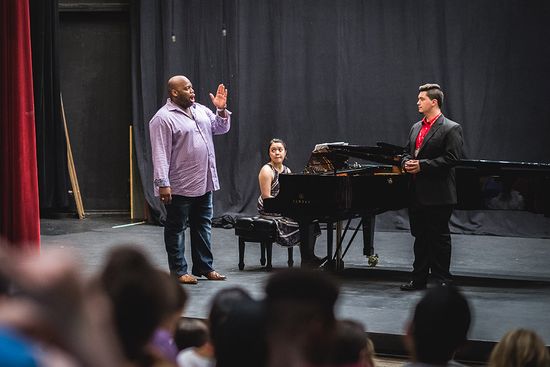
point(183, 150)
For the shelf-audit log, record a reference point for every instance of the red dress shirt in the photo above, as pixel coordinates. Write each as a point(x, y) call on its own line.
point(426, 125)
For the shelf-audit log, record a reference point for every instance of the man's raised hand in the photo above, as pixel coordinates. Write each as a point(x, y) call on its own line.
point(220, 100)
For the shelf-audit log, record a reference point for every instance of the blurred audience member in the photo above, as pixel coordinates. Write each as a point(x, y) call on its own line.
point(520, 348)
point(223, 302)
point(237, 329)
point(175, 298)
point(300, 317)
point(15, 351)
point(138, 295)
point(438, 328)
point(54, 316)
point(193, 340)
point(352, 347)
point(4, 286)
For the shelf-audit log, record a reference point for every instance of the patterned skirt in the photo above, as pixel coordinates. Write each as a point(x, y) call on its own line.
point(288, 231)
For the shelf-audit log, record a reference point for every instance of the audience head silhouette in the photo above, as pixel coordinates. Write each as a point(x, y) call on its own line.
point(139, 299)
point(300, 317)
point(352, 346)
point(191, 333)
point(439, 326)
point(520, 348)
point(237, 329)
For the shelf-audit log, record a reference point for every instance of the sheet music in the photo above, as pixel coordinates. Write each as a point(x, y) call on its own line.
point(323, 147)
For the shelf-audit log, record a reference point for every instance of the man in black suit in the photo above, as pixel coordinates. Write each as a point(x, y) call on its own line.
point(434, 147)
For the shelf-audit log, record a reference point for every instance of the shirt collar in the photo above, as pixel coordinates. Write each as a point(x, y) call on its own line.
point(173, 107)
point(430, 122)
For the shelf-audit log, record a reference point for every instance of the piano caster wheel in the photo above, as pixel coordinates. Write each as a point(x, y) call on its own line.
point(373, 260)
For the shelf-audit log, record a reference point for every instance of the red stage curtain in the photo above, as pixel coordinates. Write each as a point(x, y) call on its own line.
point(20, 219)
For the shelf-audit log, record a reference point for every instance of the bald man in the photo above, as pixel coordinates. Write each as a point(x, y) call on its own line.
point(185, 174)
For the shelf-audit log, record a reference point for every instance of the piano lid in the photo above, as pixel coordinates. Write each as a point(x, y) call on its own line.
point(333, 157)
point(503, 166)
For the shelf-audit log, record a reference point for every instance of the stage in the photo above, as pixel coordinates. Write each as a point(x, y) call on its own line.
point(506, 279)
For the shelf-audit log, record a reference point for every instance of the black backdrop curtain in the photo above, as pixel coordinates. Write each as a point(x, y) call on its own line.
point(318, 71)
point(51, 148)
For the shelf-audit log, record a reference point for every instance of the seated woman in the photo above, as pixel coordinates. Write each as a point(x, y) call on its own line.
point(288, 231)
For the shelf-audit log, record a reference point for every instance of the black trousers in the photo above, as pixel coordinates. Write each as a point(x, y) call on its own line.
point(432, 244)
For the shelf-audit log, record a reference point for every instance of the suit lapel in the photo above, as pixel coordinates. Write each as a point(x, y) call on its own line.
point(431, 132)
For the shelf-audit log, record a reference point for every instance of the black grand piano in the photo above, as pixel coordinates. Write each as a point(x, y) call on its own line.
point(333, 190)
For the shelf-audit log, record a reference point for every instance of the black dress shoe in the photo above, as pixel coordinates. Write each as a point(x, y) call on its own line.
point(412, 286)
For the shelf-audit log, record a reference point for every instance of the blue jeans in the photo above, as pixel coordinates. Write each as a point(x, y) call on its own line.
point(197, 212)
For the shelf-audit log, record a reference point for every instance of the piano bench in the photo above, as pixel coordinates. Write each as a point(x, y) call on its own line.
point(258, 230)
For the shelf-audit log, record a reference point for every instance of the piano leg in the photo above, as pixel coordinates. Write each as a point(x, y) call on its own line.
point(338, 262)
point(334, 262)
point(330, 227)
point(368, 234)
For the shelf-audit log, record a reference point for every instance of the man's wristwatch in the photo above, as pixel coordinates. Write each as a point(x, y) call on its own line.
point(220, 109)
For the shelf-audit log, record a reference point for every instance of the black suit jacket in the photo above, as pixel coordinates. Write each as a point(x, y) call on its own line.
point(441, 149)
